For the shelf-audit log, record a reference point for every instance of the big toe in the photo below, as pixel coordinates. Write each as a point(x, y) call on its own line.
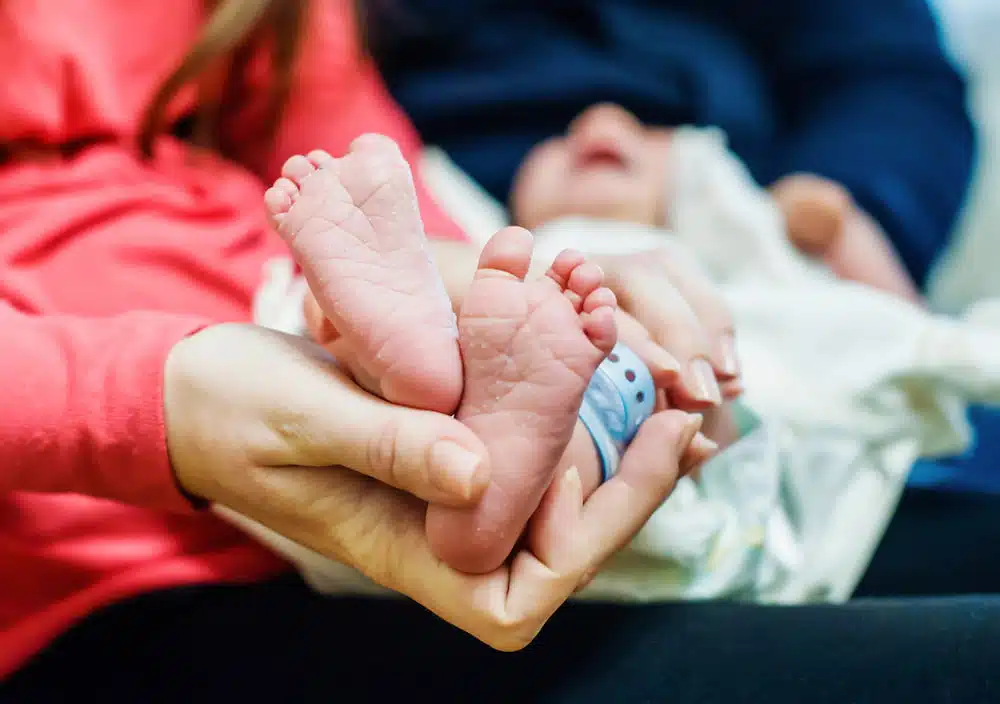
point(509, 251)
point(298, 168)
point(378, 178)
point(372, 144)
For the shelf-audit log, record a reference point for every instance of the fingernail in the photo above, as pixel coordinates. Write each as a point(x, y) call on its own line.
point(699, 451)
point(706, 387)
point(730, 360)
point(572, 478)
point(662, 359)
point(703, 447)
point(691, 428)
point(732, 389)
point(454, 469)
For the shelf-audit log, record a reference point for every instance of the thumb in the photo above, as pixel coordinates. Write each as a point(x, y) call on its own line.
point(429, 455)
point(647, 474)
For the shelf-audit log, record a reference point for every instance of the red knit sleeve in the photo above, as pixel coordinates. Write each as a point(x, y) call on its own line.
point(82, 406)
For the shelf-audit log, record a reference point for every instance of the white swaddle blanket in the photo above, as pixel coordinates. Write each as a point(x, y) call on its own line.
point(852, 386)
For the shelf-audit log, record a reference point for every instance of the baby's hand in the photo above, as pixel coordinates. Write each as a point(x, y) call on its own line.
point(815, 209)
point(823, 221)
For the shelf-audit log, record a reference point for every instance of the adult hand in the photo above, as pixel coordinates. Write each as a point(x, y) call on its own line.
point(241, 401)
point(258, 421)
point(673, 316)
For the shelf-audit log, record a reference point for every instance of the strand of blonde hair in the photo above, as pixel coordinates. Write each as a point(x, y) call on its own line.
point(212, 61)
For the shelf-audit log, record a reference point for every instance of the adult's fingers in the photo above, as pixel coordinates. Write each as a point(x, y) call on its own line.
point(665, 369)
point(337, 512)
point(646, 476)
point(672, 324)
point(731, 389)
point(380, 532)
point(692, 282)
point(567, 542)
point(569, 539)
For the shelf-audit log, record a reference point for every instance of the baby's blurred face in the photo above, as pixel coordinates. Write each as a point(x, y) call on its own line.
point(608, 165)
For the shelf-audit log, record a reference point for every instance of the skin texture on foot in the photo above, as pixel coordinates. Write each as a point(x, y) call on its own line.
point(530, 350)
point(354, 227)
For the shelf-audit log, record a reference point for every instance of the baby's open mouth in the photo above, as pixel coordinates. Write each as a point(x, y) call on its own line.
point(602, 154)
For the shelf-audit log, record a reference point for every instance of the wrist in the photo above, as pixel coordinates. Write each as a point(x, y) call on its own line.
point(183, 412)
point(175, 392)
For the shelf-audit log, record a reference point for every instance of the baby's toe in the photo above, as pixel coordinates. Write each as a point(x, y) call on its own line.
point(600, 328)
point(564, 265)
point(319, 157)
point(297, 168)
point(600, 298)
point(376, 145)
point(597, 319)
point(585, 279)
point(280, 197)
point(508, 251)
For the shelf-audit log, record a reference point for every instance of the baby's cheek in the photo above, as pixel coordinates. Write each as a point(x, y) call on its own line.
point(535, 205)
point(537, 185)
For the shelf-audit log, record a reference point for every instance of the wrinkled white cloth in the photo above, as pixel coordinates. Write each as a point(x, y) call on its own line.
point(850, 387)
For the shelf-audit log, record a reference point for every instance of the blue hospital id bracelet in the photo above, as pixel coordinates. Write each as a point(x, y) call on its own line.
point(620, 397)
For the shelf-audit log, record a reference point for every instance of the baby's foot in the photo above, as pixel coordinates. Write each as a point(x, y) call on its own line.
point(354, 227)
point(530, 350)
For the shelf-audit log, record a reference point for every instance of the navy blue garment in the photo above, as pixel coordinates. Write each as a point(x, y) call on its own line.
point(978, 470)
point(859, 91)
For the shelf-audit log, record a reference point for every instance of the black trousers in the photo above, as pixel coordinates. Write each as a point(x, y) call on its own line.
point(280, 642)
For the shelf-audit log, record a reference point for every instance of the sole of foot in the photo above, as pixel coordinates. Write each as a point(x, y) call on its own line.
point(354, 227)
point(530, 349)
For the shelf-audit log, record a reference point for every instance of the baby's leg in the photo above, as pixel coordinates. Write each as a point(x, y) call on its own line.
point(354, 227)
point(530, 350)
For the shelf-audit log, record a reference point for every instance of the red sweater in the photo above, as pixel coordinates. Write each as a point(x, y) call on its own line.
point(107, 261)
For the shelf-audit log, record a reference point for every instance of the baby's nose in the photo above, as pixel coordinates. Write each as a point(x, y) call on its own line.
point(605, 117)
